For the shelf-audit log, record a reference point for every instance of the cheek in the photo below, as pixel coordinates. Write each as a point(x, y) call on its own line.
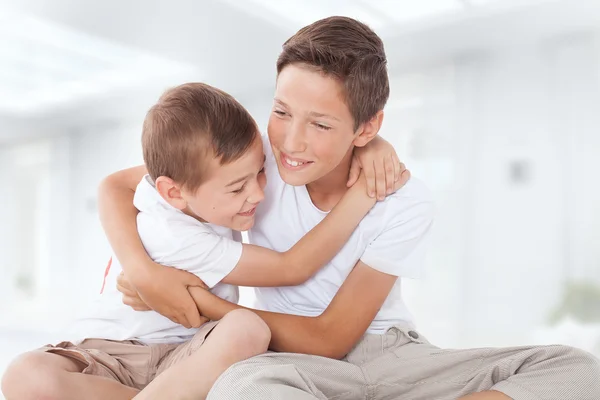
point(262, 181)
point(275, 129)
point(234, 206)
point(328, 150)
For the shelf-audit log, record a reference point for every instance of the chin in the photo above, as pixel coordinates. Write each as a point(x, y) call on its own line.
point(244, 226)
point(294, 178)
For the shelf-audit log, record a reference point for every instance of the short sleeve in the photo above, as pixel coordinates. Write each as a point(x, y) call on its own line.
point(400, 248)
point(208, 255)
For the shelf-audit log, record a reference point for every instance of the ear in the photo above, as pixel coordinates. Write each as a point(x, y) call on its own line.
point(368, 130)
point(170, 192)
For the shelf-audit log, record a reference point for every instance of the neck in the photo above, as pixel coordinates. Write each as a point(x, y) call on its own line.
point(187, 211)
point(327, 191)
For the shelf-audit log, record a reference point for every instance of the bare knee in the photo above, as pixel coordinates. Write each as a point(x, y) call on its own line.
point(32, 376)
point(250, 334)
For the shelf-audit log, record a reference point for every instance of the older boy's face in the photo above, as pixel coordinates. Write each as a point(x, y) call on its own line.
point(231, 192)
point(310, 128)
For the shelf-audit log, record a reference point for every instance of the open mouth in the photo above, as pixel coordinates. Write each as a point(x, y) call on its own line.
point(248, 213)
point(293, 163)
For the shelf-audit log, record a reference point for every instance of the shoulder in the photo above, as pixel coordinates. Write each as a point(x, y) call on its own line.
point(170, 230)
point(414, 193)
point(414, 189)
point(413, 202)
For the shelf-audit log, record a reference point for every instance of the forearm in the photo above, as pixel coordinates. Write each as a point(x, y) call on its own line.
point(335, 331)
point(118, 218)
point(260, 267)
point(289, 333)
point(325, 240)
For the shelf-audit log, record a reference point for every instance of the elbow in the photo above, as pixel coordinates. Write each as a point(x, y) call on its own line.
point(106, 184)
point(333, 350)
point(328, 341)
point(296, 279)
point(296, 274)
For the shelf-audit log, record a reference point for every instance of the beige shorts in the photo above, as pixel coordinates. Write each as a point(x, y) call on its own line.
point(129, 362)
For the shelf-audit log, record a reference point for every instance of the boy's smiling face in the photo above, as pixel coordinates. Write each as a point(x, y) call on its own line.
point(310, 128)
point(229, 194)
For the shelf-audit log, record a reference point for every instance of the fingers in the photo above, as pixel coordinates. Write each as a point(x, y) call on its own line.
point(404, 177)
point(136, 303)
point(401, 168)
point(125, 289)
point(389, 175)
point(380, 171)
point(124, 285)
point(192, 316)
point(396, 164)
point(370, 178)
point(189, 279)
point(354, 172)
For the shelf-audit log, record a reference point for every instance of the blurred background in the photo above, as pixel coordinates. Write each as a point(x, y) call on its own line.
point(495, 104)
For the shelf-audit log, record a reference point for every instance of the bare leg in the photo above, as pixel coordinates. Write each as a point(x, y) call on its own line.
point(40, 375)
point(241, 334)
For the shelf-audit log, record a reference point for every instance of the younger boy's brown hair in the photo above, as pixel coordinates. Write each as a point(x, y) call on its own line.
point(349, 51)
point(189, 123)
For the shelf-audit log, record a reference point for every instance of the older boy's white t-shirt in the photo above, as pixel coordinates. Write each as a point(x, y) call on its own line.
point(391, 239)
point(174, 239)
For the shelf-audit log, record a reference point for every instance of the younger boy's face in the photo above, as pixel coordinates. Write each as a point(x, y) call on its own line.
point(231, 192)
point(310, 128)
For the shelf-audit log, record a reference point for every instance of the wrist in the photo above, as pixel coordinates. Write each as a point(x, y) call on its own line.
point(142, 274)
point(358, 196)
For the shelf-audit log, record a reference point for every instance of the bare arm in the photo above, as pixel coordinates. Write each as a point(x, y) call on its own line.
point(162, 288)
point(118, 217)
point(259, 266)
point(333, 333)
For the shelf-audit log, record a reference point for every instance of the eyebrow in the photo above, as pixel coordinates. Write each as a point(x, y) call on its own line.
point(312, 113)
point(243, 178)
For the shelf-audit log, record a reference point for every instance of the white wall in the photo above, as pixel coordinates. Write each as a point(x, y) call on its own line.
point(95, 153)
point(503, 248)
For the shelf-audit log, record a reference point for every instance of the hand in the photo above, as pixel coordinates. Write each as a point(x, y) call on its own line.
point(359, 189)
point(383, 170)
point(164, 290)
point(131, 297)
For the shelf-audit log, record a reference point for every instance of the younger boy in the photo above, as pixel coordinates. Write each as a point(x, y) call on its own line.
point(205, 159)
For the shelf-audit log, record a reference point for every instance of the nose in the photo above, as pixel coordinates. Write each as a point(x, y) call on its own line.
point(257, 195)
point(295, 139)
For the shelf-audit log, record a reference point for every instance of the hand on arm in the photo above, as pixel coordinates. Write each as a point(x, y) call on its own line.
point(259, 266)
point(333, 333)
point(163, 289)
point(381, 166)
point(397, 251)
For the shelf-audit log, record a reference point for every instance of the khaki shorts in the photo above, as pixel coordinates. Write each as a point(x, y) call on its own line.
point(129, 362)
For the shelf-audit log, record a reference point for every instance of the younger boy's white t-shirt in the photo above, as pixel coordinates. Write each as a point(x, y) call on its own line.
point(174, 239)
point(391, 238)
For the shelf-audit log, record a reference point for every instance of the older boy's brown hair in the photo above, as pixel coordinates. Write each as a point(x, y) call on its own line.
point(189, 123)
point(349, 51)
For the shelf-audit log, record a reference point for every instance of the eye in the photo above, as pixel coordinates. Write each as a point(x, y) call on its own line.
point(322, 127)
point(240, 190)
point(280, 113)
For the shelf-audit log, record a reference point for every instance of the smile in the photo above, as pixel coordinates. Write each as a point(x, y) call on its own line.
point(293, 163)
point(248, 213)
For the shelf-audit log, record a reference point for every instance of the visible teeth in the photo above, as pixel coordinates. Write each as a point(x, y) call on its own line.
point(293, 163)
